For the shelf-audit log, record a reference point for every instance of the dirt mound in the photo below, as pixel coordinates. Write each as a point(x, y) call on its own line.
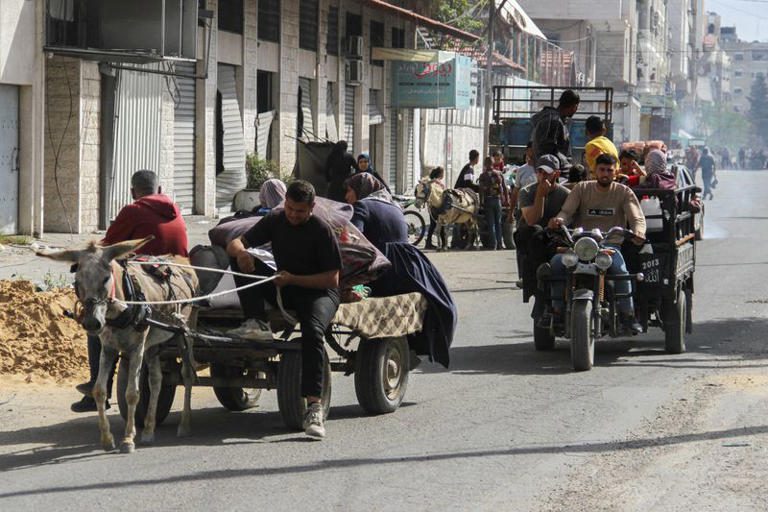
point(36, 339)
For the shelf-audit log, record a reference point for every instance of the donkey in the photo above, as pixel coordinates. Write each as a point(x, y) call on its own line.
point(451, 206)
point(99, 285)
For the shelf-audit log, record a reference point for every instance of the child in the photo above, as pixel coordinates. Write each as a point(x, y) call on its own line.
point(630, 171)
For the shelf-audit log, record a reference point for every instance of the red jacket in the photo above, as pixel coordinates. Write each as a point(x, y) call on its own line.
point(157, 215)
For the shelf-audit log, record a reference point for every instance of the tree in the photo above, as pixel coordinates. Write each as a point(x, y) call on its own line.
point(723, 126)
point(758, 107)
point(463, 14)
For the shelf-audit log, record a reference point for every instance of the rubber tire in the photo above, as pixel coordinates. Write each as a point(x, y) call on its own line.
point(582, 338)
point(371, 363)
point(416, 221)
point(235, 399)
point(164, 401)
point(543, 340)
point(675, 322)
point(289, 399)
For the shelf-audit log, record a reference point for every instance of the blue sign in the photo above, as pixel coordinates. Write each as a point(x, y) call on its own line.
point(444, 84)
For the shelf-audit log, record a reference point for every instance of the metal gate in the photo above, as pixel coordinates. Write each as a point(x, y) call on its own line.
point(232, 179)
point(9, 159)
point(184, 139)
point(349, 118)
point(137, 134)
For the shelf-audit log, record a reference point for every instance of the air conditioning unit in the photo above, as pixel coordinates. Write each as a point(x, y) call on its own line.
point(354, 72)
point(355, 46)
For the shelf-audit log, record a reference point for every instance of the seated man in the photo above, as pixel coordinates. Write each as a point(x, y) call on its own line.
point(308, 261)
point(151, 213)
point(539, 202)
point(601, 204)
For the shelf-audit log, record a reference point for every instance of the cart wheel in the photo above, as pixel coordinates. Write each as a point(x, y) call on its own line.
point(289, 400)
point(675, 320)
point(416, 226)
point(542, 337)
point(381, 376)
point(164, 401)
point(233, 398)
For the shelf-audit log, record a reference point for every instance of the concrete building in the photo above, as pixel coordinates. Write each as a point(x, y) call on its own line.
point(22, 101)
point(603, 36)
point(748, 61)
point(252, 77)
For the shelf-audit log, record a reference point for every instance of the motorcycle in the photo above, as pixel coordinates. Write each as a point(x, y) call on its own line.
point(590, 299)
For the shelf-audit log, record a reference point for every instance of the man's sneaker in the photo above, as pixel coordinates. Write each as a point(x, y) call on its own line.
point(313, 420)
point(253, 330)
point(87, 404)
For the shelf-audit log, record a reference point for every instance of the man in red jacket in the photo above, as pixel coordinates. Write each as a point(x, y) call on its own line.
point(151, 213)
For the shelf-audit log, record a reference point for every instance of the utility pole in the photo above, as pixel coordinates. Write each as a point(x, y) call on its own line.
point(488, 82)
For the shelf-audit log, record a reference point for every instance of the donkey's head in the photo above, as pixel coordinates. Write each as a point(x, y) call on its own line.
point(94, 278)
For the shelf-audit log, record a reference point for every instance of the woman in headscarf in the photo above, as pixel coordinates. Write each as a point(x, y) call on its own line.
point(339, 166)
point(271, 194)
point(375, 215)
point(383, 223)
point(364, 165)
point(657, 175)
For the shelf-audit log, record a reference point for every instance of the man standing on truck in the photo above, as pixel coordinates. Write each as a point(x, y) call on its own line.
point(549, 132)
point(601, 204)
point(598, 144)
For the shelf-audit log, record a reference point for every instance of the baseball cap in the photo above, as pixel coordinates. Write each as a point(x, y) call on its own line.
point(548, 164)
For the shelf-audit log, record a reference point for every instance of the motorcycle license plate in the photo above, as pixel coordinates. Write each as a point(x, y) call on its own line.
point(651, 268)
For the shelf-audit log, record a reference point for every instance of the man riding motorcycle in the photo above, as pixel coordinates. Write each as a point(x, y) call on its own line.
point(601, 204)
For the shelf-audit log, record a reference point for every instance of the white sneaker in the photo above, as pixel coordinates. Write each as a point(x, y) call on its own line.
point(253, 330)
point(313, 420)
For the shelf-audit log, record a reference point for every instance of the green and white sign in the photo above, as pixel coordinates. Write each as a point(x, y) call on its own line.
point(444, 83)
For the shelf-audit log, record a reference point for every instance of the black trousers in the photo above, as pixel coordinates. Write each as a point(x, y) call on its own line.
point(314, 309)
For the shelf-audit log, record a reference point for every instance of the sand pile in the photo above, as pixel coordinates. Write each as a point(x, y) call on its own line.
point(36, 339)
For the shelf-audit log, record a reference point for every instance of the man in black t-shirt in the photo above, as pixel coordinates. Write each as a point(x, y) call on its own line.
point(466, 177)
point(308, 263)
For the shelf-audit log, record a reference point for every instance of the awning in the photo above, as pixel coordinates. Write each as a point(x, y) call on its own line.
point(405, 55)
point(421, 20)
point(513, 14)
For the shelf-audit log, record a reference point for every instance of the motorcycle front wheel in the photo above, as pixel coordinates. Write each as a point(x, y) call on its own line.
point(582, 336)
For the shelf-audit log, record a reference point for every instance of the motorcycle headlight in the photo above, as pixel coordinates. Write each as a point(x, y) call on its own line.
point(570, 259)
point(603, 261)
point(586, 249)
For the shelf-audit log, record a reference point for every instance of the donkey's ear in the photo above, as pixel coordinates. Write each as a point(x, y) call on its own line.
point(122, 248)
point(61, 255)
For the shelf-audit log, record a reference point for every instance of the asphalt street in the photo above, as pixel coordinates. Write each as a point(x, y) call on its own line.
point(505, 428)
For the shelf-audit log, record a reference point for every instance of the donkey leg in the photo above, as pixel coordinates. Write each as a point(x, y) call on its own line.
point(187, 375)
point(132, 398)
point(106, 362)
point(155, 381)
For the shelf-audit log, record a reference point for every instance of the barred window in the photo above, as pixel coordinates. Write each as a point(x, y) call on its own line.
point(308, 25)
point(269, 20)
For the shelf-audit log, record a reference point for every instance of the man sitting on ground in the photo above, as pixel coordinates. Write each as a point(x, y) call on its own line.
point(151, 213)
point(308, 261)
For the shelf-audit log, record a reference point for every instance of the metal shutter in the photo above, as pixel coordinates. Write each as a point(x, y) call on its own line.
point(349, 117)
point(393, 146)
point(263, 131)
point(137, 135)
point(305, 84)
point(409, 167)
point(375, 115)
point(184, 139)
point(232, 179)
point(331, 128)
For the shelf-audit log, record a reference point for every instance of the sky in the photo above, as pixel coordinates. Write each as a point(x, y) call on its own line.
point(749, 16)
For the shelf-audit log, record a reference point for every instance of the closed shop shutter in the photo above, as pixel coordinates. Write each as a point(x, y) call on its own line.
point(305, 84)
point(349, 118)
point(263, 131)
point(137, 134)
point(232, 179)
point(331, 127)
point(375, 115)
point(409, 167)
point(393, 145)
point(184, 139)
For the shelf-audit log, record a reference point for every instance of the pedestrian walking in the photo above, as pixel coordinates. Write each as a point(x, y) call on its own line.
point(493, 191)
point(707, 165)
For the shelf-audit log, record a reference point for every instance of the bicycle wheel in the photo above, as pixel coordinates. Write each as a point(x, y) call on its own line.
point(417, 228)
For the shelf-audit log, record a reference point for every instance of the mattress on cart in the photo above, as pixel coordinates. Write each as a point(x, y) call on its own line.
point(384, 317)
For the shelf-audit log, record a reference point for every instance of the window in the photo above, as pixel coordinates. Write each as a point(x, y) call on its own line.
point(354, 25)
point(737, 73)
point(398, 38)
point(264, 93)
point(269, 20)
point(231, 16)
point(377, 39)
point(332, 38)
point(738, 56)
point(738, 90)
point(308, 26)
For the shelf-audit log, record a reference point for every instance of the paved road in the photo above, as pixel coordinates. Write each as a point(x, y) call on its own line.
point(505, 428)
